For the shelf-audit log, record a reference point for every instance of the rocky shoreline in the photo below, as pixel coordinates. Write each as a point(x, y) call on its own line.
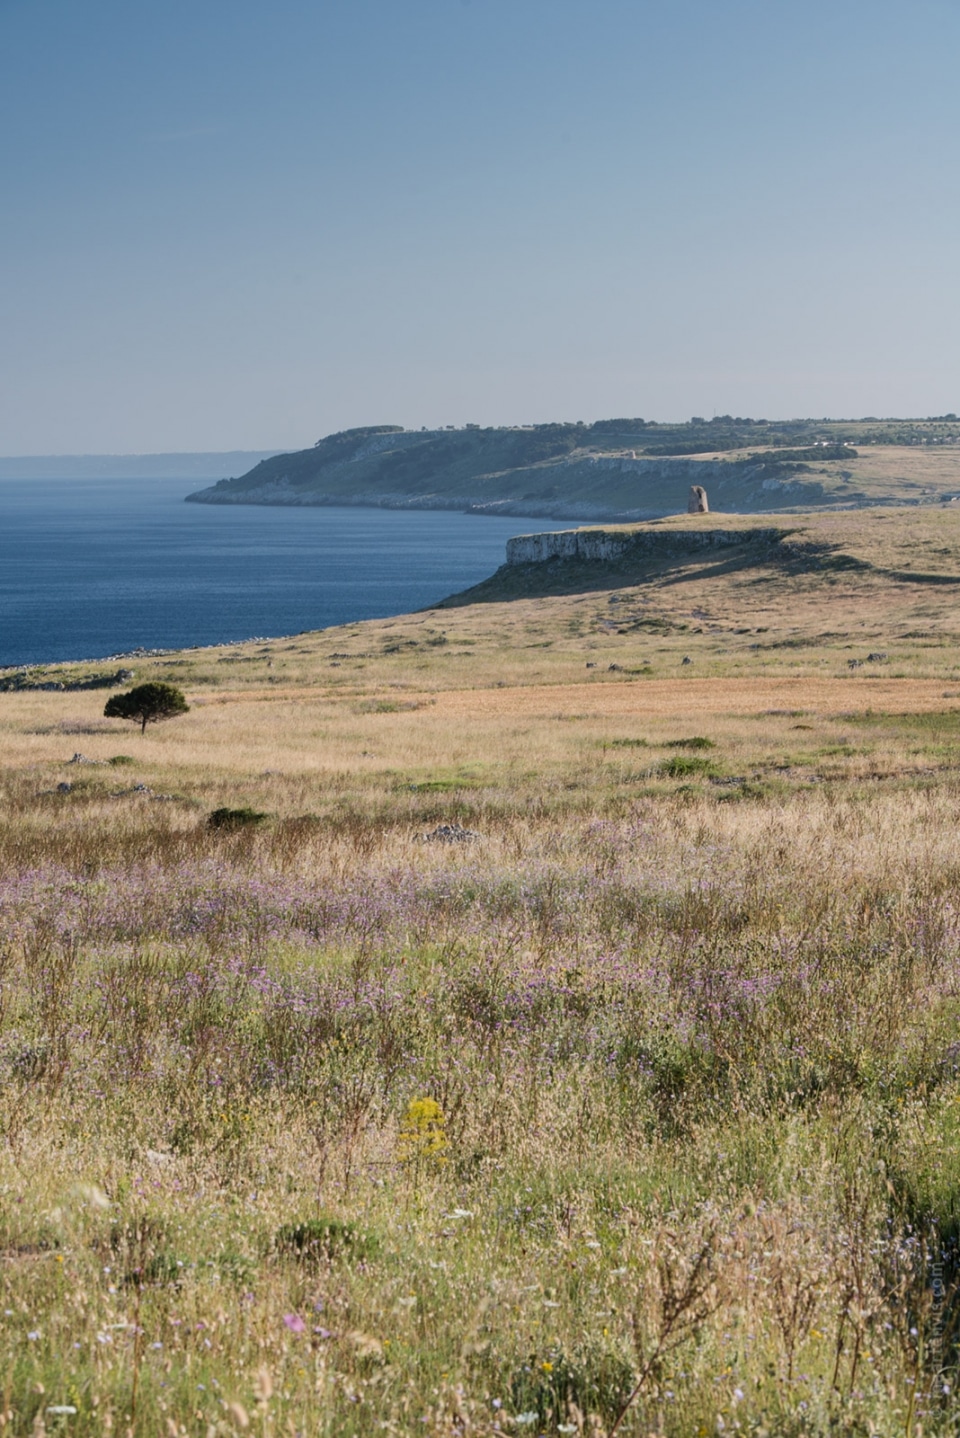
point(284, 495)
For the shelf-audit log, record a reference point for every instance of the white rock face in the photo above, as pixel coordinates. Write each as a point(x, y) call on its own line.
point(611, 544)
point(567, 544)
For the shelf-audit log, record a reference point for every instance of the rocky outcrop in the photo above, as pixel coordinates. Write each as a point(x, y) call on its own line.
point(22, 679)
point(567, 544)
point(605, 544)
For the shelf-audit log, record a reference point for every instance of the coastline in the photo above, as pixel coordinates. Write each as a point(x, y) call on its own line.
point(283, 497)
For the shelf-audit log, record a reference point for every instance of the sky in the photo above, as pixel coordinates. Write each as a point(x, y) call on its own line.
point(228, 224)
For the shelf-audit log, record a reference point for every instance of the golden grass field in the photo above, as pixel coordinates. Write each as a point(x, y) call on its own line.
point(374, 703)
point(906, 472)
point(635, 1110)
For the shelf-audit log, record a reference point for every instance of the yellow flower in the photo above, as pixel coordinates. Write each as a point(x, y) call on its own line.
point(547, 1367)
point(423, 1132)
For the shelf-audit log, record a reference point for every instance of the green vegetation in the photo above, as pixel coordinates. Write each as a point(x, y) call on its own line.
point(613, 469)
point(683, 765)
point(147, 704)
point(243, 818)
point(320, 1240)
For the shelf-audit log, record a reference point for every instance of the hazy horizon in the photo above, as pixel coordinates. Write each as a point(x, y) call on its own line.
point(165, 464)
point(255, 455)
point(232, 224)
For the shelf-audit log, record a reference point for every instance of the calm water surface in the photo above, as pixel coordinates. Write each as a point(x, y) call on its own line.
point(90, 568)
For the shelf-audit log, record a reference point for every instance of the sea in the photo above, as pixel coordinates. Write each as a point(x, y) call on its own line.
point(91, 568)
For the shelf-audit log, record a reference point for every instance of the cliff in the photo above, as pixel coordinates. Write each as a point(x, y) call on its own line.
point(602, 544)
point(611, 471)
point(839, 551)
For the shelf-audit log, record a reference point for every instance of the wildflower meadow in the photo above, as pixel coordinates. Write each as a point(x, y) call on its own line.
point(505, 1076)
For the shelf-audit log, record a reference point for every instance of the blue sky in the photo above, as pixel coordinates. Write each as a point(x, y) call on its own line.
point(231, 224)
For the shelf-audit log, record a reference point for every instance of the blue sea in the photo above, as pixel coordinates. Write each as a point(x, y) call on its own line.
point(96, 567)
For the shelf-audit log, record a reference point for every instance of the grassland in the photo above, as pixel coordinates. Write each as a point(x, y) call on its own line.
point(636, 1108)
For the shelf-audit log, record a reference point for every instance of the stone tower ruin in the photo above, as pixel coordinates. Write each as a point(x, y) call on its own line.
point(697, 503)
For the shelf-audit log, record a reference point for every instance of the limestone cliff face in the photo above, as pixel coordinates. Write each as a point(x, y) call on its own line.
point(600, 544)
point(567, 544)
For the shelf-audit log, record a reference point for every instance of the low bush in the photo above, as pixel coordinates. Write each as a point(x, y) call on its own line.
point(235, 818)
point(682, 766)
point(323, 1239)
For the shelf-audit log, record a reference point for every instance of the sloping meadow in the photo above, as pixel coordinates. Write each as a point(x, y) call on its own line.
point(647, 1124)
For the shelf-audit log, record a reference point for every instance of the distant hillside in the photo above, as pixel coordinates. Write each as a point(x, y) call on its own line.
point(202, 465)
point(620, 469)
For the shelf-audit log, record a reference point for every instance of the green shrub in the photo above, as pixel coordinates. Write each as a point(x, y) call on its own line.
point(162, 1270)
point(323, 1239)
point(235, 818)
point(595, 1382)
point(143, 1246)
point(683, 765)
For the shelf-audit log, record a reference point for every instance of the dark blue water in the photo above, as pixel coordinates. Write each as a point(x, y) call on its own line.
point(93, 567)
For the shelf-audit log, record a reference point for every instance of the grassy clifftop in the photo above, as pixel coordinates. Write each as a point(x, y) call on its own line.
point(795, 598)
point(888, 553)
point(614, 469)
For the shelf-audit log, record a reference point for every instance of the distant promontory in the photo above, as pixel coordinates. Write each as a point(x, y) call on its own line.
point(613, 470)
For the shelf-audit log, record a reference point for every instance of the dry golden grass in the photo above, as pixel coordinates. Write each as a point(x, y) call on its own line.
point(882, 471)
point(734, 616)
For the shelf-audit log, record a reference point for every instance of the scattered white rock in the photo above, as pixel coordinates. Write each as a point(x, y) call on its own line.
point(450, 834)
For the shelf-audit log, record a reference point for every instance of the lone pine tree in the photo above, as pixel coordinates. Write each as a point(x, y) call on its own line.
point(146, 704)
